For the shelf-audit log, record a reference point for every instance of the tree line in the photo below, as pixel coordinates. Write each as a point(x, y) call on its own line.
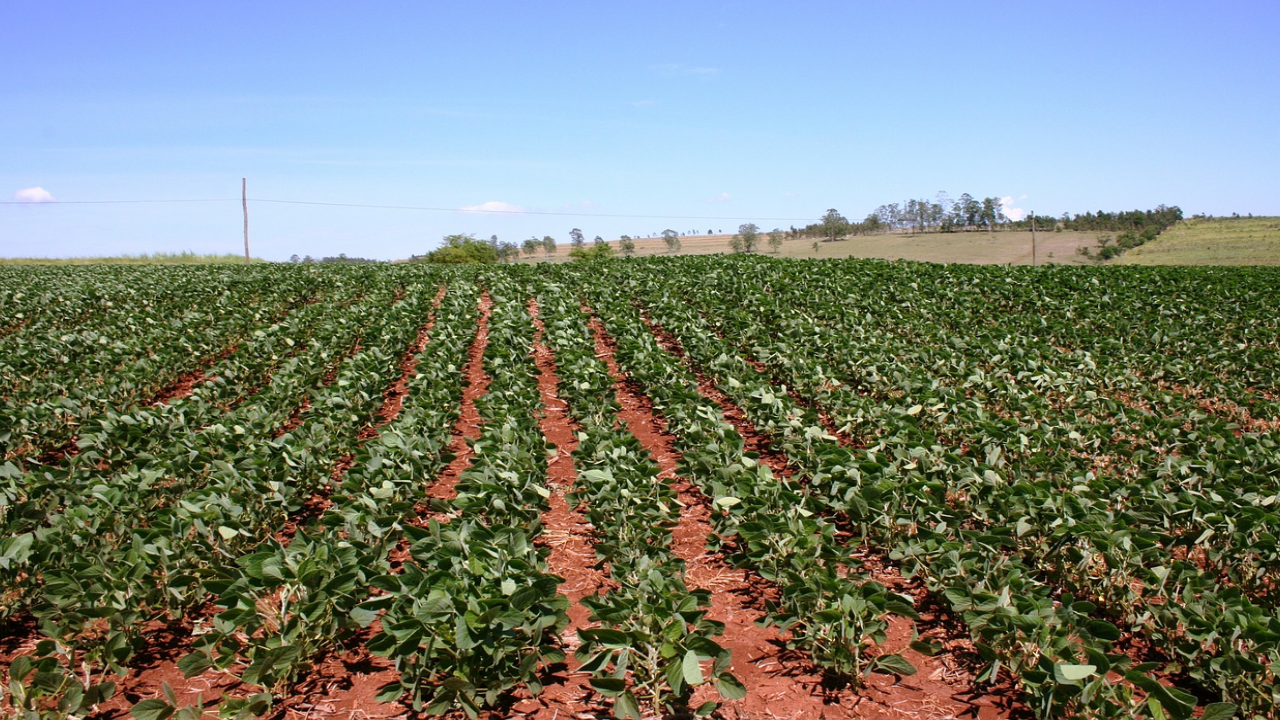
point(942, 214)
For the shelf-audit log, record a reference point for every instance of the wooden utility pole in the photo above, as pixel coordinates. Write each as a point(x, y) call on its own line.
point(1033, 238)
point(244, 201)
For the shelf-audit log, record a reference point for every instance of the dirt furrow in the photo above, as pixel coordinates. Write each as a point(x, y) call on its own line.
point(468, 425)
point(753, 440)
point(944, 686)
point(570, 538)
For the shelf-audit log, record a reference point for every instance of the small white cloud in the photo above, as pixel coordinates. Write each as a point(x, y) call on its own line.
point(722, 197)
point(492, 206)
point(1011, 212)
point(34, 195)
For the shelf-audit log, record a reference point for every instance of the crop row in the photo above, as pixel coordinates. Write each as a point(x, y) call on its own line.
point(1068, 459)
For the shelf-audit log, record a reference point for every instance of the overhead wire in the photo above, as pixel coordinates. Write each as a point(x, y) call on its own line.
point(464, 211)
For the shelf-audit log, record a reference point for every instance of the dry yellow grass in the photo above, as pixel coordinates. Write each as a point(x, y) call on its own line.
point(979, 248)
point(1212, 241)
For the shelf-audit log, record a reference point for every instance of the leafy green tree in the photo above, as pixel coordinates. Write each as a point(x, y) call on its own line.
point(532, 245)
point(747, 239)
point(462, 250)
point(576, 238)
point(672, 240)
point(599, 241)
point(775, 240)
point(549, 245)
point(627, 245)
point(834, 225)
point(968, 211)
point(992, 213)
point(599, 251)
point(508, 251)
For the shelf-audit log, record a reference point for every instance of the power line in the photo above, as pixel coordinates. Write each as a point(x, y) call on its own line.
point(111, 202)
point(525, 212)
point(424, 208)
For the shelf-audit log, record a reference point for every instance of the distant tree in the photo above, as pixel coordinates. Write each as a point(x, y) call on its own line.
point(575, 238)
point(627, 245)
point(599, 241)
point(531, 246)
point(967, 211)
point(294, 258)
point(748, 238)
point(549, 245)
point(992, 213)
point(816, 245)
point(508, 251)
point(461, 250)
point(343, 259)
point(834, 225)
point(775, 240)
point(672, 240)
point(735, 244)
point(599, 251)
point(308, 260)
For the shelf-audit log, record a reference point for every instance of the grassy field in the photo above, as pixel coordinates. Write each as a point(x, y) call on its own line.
point(184, 258)
point(1215, 241)
point(1002, 248)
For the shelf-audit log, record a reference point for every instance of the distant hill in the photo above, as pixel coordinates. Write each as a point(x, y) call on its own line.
point(1005, 247)
point(1212, 241)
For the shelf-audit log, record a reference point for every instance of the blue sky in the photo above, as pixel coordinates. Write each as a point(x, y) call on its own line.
point(664, 111)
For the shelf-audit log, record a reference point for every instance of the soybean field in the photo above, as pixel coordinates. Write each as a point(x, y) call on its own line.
point(738, 487)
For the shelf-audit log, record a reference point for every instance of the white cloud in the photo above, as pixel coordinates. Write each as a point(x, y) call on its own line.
point(34, 195)
point(722, 197)
point(492, 206)
point(1011, 212)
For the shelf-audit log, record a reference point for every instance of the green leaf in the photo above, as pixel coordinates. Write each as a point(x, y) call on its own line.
point(1067, 673)
point(893, 665)
point(928, 648)
point(1219, 711)
point(730, 687)
point(609, 686)
point(363, 616)
point(691, 669)
point(155, 709)
point(195, 663)
point(625, 707)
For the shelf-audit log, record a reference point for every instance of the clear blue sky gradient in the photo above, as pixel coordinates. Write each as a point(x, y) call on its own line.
point(762, 111)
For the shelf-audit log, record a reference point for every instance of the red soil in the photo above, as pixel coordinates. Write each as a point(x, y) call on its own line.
point(570, 538)
point(188, 382)
point(468, 425)
point(783, 684)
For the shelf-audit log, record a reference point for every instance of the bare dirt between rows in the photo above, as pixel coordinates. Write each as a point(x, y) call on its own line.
point(468, 424)
point(944, 686)
point(571, 540)
point(340, 684)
